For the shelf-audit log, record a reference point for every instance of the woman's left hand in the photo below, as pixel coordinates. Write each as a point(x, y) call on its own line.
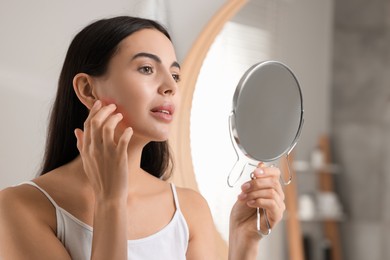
point(263, 191)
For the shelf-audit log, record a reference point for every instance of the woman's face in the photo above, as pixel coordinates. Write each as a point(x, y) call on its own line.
point(142, 80)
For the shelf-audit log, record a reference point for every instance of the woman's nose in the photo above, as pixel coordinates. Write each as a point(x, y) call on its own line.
point(168, 86)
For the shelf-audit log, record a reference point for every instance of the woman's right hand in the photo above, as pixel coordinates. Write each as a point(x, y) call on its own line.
point(105, 161)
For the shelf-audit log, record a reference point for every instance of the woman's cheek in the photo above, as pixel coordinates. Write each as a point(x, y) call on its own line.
point(125, 122)
point(107, 101)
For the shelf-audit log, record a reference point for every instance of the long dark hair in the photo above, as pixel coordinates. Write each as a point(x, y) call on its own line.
point(90, 52)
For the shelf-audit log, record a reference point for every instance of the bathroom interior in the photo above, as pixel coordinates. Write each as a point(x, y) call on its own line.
point(337, 203)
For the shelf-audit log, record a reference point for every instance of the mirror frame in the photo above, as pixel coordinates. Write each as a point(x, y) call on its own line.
point(179, 139)
point(184, 175)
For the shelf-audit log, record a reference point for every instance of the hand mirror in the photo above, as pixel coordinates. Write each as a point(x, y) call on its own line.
point(266, 119)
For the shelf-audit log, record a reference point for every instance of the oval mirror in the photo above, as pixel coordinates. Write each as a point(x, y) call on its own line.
point(266, 120)
point(267, 115)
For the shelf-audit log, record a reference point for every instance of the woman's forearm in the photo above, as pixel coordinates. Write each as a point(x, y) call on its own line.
point(241, 248)
point(110, 230)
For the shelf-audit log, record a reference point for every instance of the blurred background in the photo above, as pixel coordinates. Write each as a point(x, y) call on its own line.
point(340, 53)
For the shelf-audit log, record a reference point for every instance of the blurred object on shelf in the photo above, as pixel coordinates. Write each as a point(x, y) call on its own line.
point(305, 166)
point(317, 159)
point(329, 206)
point(306, 207)
point(322, 206)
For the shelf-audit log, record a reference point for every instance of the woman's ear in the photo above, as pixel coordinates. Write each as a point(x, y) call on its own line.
point(82, 85)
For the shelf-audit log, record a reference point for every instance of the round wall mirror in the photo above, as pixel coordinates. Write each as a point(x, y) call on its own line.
point(240, 35)
point(243, 41)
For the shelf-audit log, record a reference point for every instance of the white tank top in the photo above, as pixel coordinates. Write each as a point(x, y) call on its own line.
point(169, 243)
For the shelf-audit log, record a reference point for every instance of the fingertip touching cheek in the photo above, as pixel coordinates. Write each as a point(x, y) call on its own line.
point(119, 109)
point(108, 101)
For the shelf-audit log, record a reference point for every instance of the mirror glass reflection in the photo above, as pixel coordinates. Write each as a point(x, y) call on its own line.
point(267, 111)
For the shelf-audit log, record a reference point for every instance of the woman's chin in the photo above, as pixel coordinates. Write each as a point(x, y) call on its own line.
point(151, 138)
point(161, 139)
point(161, 135)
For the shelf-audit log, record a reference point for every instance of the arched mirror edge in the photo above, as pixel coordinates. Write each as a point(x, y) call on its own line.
point(184, 174)
point(180, 136)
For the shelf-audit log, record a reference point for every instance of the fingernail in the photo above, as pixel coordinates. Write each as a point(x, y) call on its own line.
point(246, 186)
point(259, 171)
point(97, 103)
point(242, 196)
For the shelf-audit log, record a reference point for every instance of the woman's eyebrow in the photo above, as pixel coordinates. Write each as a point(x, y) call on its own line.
point(153, 57)
point(147, 55)
point(175, 64)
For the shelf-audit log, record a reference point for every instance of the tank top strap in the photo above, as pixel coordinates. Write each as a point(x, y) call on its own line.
point(43, 191)
point(175, 197)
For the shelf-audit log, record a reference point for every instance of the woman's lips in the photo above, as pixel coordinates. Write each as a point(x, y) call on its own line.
point(164, 112)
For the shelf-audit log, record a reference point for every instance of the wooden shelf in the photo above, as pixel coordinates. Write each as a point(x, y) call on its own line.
point(305, 167)
point(326, 184)
point(320, 218)
point(293, 220)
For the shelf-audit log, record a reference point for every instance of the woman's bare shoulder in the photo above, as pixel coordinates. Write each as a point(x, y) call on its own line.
point(193, 204)
point(27, 216)
point(18, 195)
point(190, 195)
point(27, 196)
point(200, 223)
point(16, 201)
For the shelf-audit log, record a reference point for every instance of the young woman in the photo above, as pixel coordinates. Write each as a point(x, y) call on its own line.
point(102, 192)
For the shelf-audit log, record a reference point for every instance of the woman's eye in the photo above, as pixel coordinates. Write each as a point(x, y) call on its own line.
point(146, 70)
point(176, 77)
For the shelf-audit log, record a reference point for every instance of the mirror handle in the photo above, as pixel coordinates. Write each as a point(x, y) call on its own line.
point(261, 233)
point(240, 164)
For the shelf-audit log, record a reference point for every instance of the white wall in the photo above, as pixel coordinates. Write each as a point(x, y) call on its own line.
point(34, 39)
